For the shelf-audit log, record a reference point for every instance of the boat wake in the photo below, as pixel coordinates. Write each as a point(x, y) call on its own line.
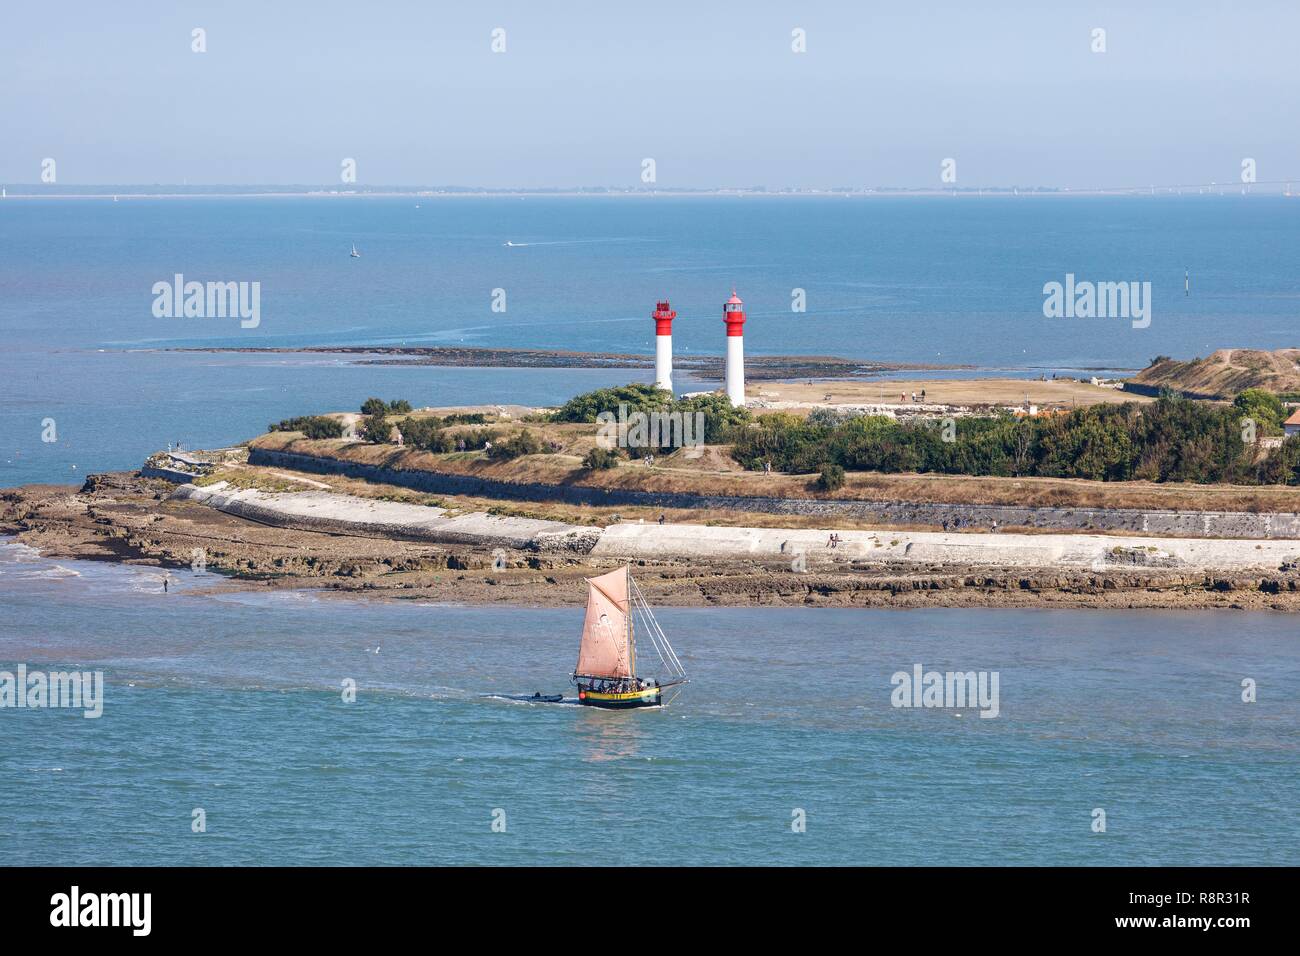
point(510, 244)
point(532, 699)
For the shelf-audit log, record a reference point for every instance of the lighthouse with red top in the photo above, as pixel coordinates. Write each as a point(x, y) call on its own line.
point(663, 316)
point(733, 313)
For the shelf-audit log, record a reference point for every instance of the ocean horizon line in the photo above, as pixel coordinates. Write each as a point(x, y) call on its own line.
point(1281, 190)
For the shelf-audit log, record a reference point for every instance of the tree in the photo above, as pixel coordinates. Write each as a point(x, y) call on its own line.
point(1282, 467)
point(1264, 408)
point(375, 429)
point(721, 418)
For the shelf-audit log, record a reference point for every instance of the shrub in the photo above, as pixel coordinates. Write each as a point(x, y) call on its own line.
point(1282, 467)
point(831, 477)
point(637, 398)
point(1173, 439)
point(465, 418)
point(420, 432)
point(375, 429)
point(312, 426)
point(518, 444)
point(320, 427)
point(377, 406)
point(720, 420)
point(599, 459)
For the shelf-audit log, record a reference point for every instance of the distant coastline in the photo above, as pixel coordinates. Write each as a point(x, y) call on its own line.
point(1279, 189)
point(759, 367)
point(709, 367)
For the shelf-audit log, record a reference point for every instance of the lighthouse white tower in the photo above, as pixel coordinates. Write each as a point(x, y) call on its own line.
point(733, 313)
point(663, 316)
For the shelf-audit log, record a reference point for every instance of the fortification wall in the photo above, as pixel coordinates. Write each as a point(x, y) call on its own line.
point(1210, 524)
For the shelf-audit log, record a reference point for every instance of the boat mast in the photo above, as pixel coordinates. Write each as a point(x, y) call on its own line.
point(631, 632)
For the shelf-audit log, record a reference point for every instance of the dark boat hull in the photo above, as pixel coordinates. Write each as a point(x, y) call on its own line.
point(609, 700)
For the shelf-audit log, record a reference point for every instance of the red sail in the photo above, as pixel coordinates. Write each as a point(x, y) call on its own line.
point(605, 631)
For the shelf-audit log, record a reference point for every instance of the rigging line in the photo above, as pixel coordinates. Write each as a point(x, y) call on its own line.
point(663, 658)
point(676, 663)
point(653, 639)
point(673, 664)
point(648, 620)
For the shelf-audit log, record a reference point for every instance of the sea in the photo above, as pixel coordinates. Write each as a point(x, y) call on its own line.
point(785, 748)
point(243, 727)
point(954, 280)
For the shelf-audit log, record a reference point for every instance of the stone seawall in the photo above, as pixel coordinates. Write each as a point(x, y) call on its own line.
point(1099, 553)
point(346, 514)
point(1208, 524)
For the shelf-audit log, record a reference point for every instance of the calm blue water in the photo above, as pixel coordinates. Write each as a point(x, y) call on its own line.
point(230, 702)
point(112, 410)
point(907, 279)
point(897, 279)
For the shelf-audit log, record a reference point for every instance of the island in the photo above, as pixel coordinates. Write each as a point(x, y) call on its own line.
point(875, 493)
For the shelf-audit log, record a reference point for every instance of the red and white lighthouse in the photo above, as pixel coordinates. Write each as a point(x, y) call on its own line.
point(733, 313)
point(663, 316)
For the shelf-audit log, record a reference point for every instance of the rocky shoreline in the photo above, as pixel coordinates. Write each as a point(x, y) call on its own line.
point(124, 517)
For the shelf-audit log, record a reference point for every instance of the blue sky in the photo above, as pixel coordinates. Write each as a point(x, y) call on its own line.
point(711, 91)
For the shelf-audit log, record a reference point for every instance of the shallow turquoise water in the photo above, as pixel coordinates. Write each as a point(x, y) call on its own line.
point(231, 702)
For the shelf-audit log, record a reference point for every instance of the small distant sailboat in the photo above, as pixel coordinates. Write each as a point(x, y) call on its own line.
point(606, 675)
point(355, 254)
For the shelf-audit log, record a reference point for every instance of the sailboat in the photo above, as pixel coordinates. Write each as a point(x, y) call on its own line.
point(355, 254)
point(606, 675)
